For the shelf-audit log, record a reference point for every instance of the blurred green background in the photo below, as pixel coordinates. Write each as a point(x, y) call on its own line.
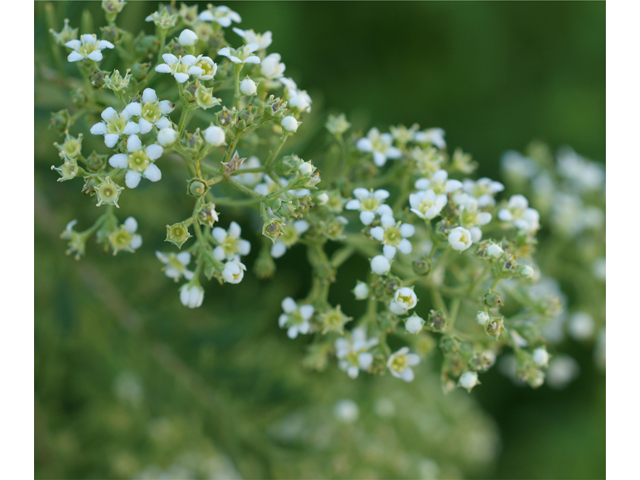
point(494, 75)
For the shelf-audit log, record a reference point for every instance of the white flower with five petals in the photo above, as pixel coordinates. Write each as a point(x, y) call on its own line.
point(369, 203)
point(352, 352)
point(518, 212)
point(180, 67)
point(263, 40)
point(151, 111)
point(222, 15)
point(380, 145)
point(230, 245)
point(427, 204)
point(439, 183)
point(295, 318)
point(393, 235)
point(404, 300)
point(400, 363)
point(138, 161)
point(241, 55)
point(176, 265)
point(113, 125)
point(87, 47)
point(271, 67)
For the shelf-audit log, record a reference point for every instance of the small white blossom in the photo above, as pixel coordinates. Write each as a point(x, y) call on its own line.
point(346, 411)
point(518, 167)
point(229, 243)
point(460, 239)
point(248, 87)
point(241, 55)
point(400, 363)
point(297, 98)
point(394, 236)
point(271, 67)
point(233, 271)
point(290, 236)
point(191, 295)
point(468, 380)
point(295, 318)
point(87, 47)
point(361, 291)
point(439, 183)
point(540, 357)
point(404, 300)
point(582, 173)
point(426, 204)
point(262, 40)
point(414, 324)
point(113, 125)
point(528, 271)
point(214, 135)
point(518, 212)
point(289, 123)
point(222, 15)
point(494, 250)
point(482, 318)
point(151, 111)
point(369, 203)
point(187, 38)
point(180, 67)
point(352, 352)
point(139, 162)
point(434, 136)
point(167, 136)
point(484, 190)
point(176, 265)
point(471, 215)
point(380, 265)
point(380, 145)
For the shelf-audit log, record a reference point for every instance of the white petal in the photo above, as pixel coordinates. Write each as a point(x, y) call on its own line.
point(96, 56)
point(154, 151)
point(163, 68)
point(134, 109)
point(377, 233)
point(306, 311)
point(144, 126)
point(407, 375)
point(367, 217)
point(278, 249)
point(181, 77)
point(353, 205)
point(99, 129)
point(170, 59)
point(218, 253)
point(405, 246)
point(289, 305)
point(389, 251)
point(108, 113)
point(119, 160)
point(234, 230)
point(153, 173)
point(110, 139)
point(75, 44)
point(131, 128)
point(166, 106)
point(132, 179)
point(407, 230)
point(133, 143)
point(184, 258)
point(131, 225)
point(219, 234)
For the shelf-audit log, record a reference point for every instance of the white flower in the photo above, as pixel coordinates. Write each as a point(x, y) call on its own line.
point(222, 15)
point(248, 87)
point(482, 318)
point(290, 236)
point(296, 98)
point(540, 357)
point(138, 162)
point(426, 204)
point(241, 55)
point(369, 203)
point(518, 167)
point(483, 189)
point(380, 145)
point(434, 136)
point(562, 370)
point(176, 265)
point(439, 183)
point(229, 243)
point(131, 226)
point(214, 135)
point(583, 173)
point(494, 250)
point(233, 271)
point(404, 300)
point(528, 271)
point(249, 178)
point(262, 40)
point(352, 352)
point(380, 265)
point(167, 136)
point(361, 291)
point(581, 326)
point(180, 67)
point(413, 324)
point(271, 67)
point(87, 47)
point(346, 411)
point(518, 213)
point(191, 295)
point(113, 125)
point(400, 363)
point(187, 38)
point(295, 318)
point(289, 123)
point(460, 239)
point(393, 236)
point(468, 380)
point(471, 215)
point(151, 111)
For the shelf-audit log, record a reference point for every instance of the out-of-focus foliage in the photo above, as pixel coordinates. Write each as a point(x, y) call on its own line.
point(129, 384)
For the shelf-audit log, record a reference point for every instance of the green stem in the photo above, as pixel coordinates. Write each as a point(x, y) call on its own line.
point(275, 152)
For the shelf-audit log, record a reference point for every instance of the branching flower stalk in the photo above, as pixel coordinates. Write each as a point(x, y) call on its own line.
point(451, 258)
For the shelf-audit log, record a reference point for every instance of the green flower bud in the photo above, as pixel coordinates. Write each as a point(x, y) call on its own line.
point(108, 192)
point(95, 162)
point(207, 215)
point(275, 107)
point(333, 320)
point(97, 79)
point(178, 233)
point(163, 19)
point(225, 117)
point(264, 266)
point(112, 8)
point(115, 81)
point(66, 34)
point(494, 327)
point(196, 187)
point(334, 229)
point(436, 321)
point(139, 71)
point(60, 121)
point(422, 266)
point(492, 299)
